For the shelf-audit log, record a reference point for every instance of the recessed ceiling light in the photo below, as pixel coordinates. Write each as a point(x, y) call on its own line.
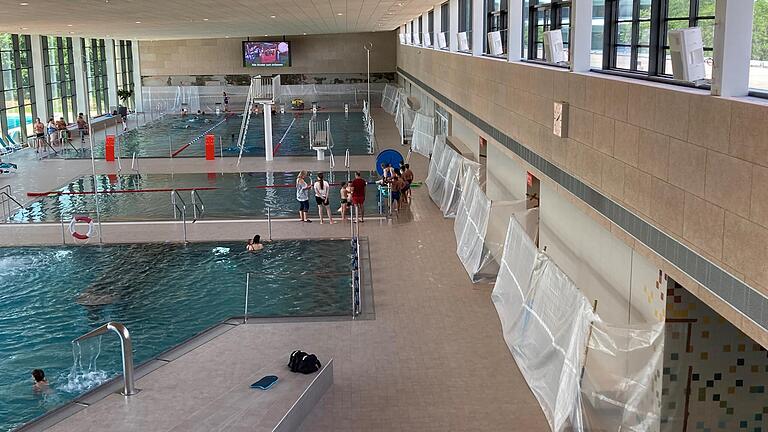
point(305, 34)
point(23, 28)
point(69, 25)
point(273, 16)
point(339, 14)
point(205, 19)
point(24, 4)
point(71, 32)
point(226, 37)
point(138, 22)
point(266, 35)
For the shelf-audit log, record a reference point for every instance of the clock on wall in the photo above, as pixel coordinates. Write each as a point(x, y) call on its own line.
point(560, 117)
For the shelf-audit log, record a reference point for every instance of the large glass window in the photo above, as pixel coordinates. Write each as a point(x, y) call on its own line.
point(465, 20)
point(758, 67)
point(543, 16)
point(598, 30)
point(637, 31)
point(124, 68)
point(496, 20)
point(445, 22)
point(95, 63)
point(60, 90)
point(17, 104)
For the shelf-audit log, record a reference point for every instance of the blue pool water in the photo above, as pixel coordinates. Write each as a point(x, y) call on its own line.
point(14, 121)
point(236, 196)
point(163, 293)
point(170, 133)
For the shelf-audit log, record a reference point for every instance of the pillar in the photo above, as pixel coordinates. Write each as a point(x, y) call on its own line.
point(453, 23)
point(138, 100)
point(109, 48)
point(733, 47)
point(268, 150)
point(41, 101)
point(581, 35)
point(478, 36)
point(81, 87)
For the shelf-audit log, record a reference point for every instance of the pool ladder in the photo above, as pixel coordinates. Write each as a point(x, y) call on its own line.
point(126, 348)
point(7, 202)
point(179, 208)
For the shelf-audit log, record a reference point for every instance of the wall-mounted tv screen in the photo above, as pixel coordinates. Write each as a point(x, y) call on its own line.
point(266, 54)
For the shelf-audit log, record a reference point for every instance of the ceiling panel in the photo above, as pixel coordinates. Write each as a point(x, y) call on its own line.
point(164, 19)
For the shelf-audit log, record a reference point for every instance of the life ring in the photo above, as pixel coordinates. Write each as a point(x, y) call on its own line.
point(73, 231)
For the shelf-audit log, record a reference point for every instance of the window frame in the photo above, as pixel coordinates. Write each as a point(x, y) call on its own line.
point(67, 88)
point(445, 23)
point(19, 86)
point(553, 21)
point(496, 20)
point(465, 24)
point(97, 83)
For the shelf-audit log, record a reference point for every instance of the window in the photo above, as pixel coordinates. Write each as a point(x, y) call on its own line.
point(124, 68)
point(59, 74)
point(496, 20)
point(546, 15)
point(465, 20)
point(95, 63)
point(431, 27)
point(637, 31)
point(758, 67)
point(17, 102)
point(445, 22)
point(598, 29)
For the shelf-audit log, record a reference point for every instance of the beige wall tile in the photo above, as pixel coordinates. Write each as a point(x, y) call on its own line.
point(642, 109)
point(637, 189)
point(653, 153)
point(687, 166)
point(728, 183)
point(572, 155)
point(745, 247)
point(625, 143)
point(580, 124)
point(672, 113)
point(759, 210)
point(590, 165)
point(749, 129)
point(613, 177)
point(595, 95)
point(709, 121)
point(603, 134)
point(561, 86)
point(542, 83)
point(703, 225)
point(667, 205)
point(617, 99)
point(577, 90)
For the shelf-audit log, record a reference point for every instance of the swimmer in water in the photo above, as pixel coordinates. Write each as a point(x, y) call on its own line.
point(255, 244)
point(41, 384)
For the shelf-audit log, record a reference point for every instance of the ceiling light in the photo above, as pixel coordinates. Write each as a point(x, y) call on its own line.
point(24, 4)
point(266, 35)
point(305, 34)
point(71, 32)
point(69, 25)
point(339, 14)
point(138, 22)
point(272, 16)
point(23, 28)
point(205, 19)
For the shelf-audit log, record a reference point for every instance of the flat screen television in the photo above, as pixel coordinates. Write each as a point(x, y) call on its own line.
point(266, 54)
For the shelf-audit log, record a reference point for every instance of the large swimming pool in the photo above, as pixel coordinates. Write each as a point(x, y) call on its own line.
point(171, 134)
point(163, 293)
point(225, 196)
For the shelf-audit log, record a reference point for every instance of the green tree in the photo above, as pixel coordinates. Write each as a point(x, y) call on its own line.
point(760, 30)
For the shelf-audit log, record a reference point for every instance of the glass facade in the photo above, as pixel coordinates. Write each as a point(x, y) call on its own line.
point(124, 69)
point(60, 89)
point(496, 20)
point(17, 106)
point(95, 63)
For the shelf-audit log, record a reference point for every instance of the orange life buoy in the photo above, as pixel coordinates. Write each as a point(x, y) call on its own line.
point(73, 230)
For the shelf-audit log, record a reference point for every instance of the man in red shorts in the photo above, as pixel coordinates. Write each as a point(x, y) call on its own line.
point(358, 194)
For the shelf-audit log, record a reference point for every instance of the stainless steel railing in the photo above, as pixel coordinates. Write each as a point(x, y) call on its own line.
point(198, 206)
point(179, 209)
point(356, 265)
point(126, 349)
point(6, 203)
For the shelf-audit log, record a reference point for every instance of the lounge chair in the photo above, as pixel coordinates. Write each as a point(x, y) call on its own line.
point(5, 148)
point(13, 143)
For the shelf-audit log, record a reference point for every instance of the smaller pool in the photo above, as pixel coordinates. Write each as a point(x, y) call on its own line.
point(147, 197)
point(171, 134)
point(163, 293)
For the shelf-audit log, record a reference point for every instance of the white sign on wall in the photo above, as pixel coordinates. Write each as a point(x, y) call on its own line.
point(463, 42)
point(427, 40)
point(441, 42)
point(494, 43)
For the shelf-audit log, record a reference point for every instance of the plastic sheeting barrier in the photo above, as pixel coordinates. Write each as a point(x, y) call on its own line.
point(447, 171)
point(481, 228)
point(586, 374)
point(404, 116)
point(389, 99)
point(423, 139)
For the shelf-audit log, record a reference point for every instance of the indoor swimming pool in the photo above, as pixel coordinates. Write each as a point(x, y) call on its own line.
point(147, 197)
point(170, 134)
point(163, 293)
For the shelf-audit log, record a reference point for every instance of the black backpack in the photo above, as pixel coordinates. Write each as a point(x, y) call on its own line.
point(302, 362)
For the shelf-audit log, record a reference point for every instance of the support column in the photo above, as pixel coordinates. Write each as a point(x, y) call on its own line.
point(268, 150)
point(581, 35)
point(733, 47)
point(138, 88)
point(437, 23)
point(41, 101)
point(81, 87)
point(478, 27)
point(515, 30)
point(109, 48)
point(453, 23)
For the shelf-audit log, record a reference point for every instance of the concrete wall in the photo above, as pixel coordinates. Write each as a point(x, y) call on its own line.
point(334, 53)
point(693, 165)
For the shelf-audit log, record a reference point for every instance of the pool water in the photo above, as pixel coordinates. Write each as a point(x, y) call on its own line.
point(163, 293)
point(236, 196)
point(171, 133)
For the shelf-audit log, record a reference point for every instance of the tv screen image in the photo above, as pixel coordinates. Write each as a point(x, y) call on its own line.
point(266, 54)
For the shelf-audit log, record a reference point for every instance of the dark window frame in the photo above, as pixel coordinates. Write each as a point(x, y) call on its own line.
point(445, 23)
point(21, 55)
point(465, 21)
point(64, 79)
point(496, 20)
point(553, 14)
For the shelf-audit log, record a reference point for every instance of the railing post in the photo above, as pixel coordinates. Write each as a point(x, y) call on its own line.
point(269, 222)
point(247, 288)
point(126, 349)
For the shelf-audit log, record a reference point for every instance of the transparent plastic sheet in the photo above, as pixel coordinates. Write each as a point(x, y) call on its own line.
point(438, 178)
point(426, 104)
point(331, 95)
point(404, 116)
point(438, 150)
point(470, 227)
point(389, 98)
point(455, 172)
point(423, 134)
point(172, 99)
point(547, 323)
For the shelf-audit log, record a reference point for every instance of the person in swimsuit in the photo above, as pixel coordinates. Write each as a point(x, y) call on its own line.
point(255, 244)
point(41, 384)
point(322, 192)
point(302, 196)
point(345, 201)
point(397, 187)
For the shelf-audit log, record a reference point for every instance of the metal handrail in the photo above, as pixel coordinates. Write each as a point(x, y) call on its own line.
point(356, 264)
point(135, 165)
point(198, 210)
point(6, 198)
point(126, 349)
point(176, 210)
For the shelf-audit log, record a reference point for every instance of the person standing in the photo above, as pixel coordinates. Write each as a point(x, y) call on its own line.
point(408, 178)
point(39, 128)
point(358, 194)
point(322, 192)
point(226, 102)
point(302, 195)
point(345, 201)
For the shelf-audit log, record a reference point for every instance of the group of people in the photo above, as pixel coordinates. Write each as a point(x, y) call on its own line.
point(399, 181)
point(56, 132)
point(351, 195)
